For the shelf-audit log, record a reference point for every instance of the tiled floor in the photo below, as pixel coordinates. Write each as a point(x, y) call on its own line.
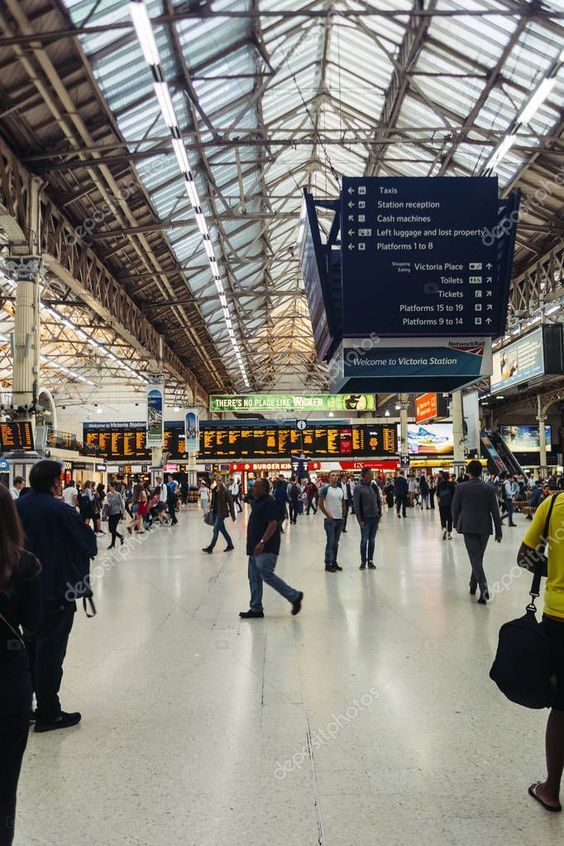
point(368, 719)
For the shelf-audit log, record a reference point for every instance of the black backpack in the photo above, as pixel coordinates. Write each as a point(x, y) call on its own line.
point(294, 492)
point(522, 665)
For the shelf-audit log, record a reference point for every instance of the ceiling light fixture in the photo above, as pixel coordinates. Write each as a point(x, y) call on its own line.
point(501, 150)
point(145, 34)
point(530, 109)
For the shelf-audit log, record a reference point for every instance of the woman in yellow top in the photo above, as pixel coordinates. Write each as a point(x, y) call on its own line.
point(547, 793)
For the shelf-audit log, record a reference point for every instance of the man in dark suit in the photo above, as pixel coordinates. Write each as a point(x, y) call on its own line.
point(56, 535)
point(474, 507)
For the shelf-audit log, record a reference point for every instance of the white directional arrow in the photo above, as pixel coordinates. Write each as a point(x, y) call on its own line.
point(351, 190)
point(351, 217)
point(489, 265)
point(351, 246)
point(351, 204)
point(351, 231)
point(489, 279)
point(489, 307)
point(488, 320)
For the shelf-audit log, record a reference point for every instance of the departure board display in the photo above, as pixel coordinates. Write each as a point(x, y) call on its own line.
point(116, 441)
point(318, 440)
point(16, 435)
point(126, 442)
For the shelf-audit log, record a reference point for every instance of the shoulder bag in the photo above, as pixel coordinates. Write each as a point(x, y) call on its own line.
point(522, 666)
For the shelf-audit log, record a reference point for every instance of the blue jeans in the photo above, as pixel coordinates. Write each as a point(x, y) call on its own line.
point(333, 529)
point(261, 569)
point(509, 509)
point(219, 526)
point(367, 538)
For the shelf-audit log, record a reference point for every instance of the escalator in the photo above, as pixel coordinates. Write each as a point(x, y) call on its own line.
point(499, 456)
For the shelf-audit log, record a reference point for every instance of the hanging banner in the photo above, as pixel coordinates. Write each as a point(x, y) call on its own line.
point(192, 430)
point(155, 413)
point(292, 402)
point(471, 407)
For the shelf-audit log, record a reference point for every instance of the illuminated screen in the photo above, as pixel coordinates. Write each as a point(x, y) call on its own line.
point(16, 435)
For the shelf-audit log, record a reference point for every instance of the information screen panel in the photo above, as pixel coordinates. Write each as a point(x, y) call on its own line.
point(16, 435)
point(319, 441)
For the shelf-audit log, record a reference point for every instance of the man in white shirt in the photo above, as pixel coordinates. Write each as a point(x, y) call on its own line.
point(331, 503)
point(235, 491)
point(507, 493)
point(19, 483)
point(70, 494)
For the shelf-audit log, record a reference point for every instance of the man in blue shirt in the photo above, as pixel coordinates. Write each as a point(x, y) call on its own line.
point(56, 535)
point(263, 547)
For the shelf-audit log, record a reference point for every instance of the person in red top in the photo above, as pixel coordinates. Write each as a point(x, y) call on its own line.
point(311, 495)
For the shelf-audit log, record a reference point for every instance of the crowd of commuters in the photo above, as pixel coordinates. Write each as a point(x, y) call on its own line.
point(48, 537)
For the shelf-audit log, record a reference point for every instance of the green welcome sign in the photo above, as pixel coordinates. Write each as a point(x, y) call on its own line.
point(292, 402)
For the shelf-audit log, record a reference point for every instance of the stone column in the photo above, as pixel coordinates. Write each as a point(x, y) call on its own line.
point(457, 411)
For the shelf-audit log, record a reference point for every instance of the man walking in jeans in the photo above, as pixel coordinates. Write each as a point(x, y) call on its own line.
point(263, 547)
point(221, 507)
point(368, 510)
point(332, 504)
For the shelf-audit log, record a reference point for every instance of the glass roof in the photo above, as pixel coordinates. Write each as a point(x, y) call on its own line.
point(270, 104)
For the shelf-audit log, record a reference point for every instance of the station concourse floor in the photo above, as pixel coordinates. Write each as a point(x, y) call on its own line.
point(196, 725)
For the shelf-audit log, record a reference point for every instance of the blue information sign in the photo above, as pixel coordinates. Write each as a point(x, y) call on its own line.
point(417, 259)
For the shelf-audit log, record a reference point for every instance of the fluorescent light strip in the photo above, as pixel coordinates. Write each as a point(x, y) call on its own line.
point(531, 108)
point(497, 155)
point(144, 30)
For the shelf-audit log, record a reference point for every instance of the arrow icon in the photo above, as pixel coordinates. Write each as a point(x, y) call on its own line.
point(351, 205)
point(488, 320)
point(351, 190)
point(489, 278)
point(489, 265)
point(351, 246)
point(351, 217)
point(351, 231)
point(489, 307)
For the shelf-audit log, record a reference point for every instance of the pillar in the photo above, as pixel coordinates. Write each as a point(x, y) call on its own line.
point(26, 334)
point(25, 263)
point(541, 419)
point(457, 412)
point(404, 439)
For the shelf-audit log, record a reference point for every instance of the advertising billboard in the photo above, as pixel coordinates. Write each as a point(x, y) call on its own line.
point(430, 406)
point(518, 362)
point(524, 438)
point(292, 402)
point(430, 438)
point(155, 414)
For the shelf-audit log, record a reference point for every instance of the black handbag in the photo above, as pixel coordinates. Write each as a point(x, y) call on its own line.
point(209, 518)
point(522, 665)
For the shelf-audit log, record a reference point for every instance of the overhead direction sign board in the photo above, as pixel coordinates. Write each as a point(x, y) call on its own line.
point(410, 364)
point(293, 402)
point(416, 259)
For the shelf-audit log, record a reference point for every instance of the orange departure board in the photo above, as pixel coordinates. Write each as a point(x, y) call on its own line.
point(16, 435)
point(316, 441)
